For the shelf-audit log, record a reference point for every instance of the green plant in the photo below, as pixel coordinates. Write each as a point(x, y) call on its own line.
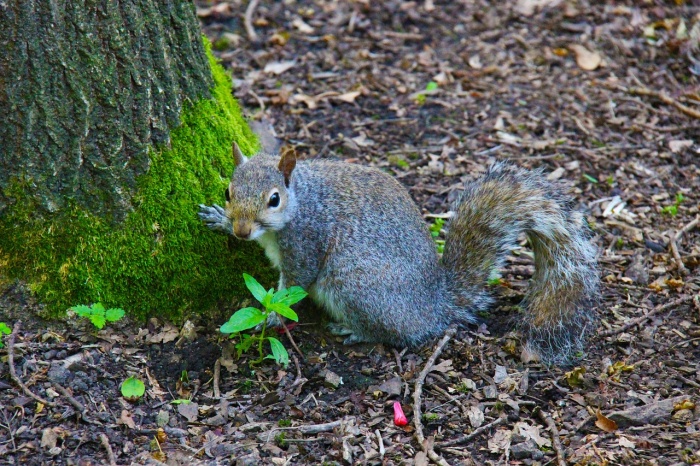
point(672, 210)
point(4, 330)
point(590, 178)
point(249, 317)
point(97, 314)
point(280, 440)
point(284, 423)
point(180, 401)
point(132, 388)
point(430, 87)
point(435, 229)
point(431, 417)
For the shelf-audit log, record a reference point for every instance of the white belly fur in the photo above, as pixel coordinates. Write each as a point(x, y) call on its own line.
point(272, 250)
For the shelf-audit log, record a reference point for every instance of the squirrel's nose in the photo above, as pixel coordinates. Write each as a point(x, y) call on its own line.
point(242, 230)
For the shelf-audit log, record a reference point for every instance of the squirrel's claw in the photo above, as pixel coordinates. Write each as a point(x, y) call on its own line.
point(214, 217)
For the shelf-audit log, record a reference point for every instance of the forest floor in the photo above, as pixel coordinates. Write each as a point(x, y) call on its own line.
point(604, 96)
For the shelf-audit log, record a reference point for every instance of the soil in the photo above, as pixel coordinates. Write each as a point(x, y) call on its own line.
point(603, 96)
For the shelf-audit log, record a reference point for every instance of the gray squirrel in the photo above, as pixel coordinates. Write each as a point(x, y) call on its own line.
point(354, 239)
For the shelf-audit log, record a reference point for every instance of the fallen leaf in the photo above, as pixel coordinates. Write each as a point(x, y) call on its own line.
point(532, 432)
point(500, 441)
point(279, 67)
point(626, 443)
point(679, 145)
point(608, 425)
point(586, 59)
point(189, 411)
point(302, 26)
point(126, 419)
point(349, 97)
point(685, 404)
point(476, 417)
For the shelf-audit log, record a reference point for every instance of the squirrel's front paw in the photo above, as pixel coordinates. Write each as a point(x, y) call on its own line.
point(214, 217)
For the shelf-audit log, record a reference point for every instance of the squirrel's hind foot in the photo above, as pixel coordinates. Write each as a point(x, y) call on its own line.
point(343, 330)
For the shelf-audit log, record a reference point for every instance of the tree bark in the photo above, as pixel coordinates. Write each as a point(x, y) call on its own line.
point(116, 123)
point(85, 88)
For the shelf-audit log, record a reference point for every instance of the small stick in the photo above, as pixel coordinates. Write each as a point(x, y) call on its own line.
point(639, 320)
point(667, 99)
point(108, 447)
point(248, 20)
point(309, 429)
point(476, 433)
point(556, 443)
point(291, 340)
point(674, 245)
point(417, 393)
point(217, 376)
point(11, 363)
point(76, 404)
point(380, 441)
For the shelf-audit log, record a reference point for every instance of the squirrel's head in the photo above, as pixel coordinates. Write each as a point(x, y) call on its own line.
point(258, 199)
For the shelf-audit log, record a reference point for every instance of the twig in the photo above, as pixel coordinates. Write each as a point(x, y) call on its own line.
point(291, 340)
point(417, 393)
point(667, 99)
point(476, 433)
point(248, 20)
point(108, 447)
point(556, 443)
point(674, 245)
point(76, 404)
point(639, 320)
point(11, 363)
point(217, 376)
point(380, 441)
point(309, 429)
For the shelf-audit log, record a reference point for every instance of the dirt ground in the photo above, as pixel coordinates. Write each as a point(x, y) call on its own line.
point(603, 95)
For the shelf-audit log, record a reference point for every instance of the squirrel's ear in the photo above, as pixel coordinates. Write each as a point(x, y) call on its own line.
point(288, 160)
point(238, 156)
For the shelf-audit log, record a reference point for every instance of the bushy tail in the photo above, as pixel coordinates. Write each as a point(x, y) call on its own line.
point(489, 216)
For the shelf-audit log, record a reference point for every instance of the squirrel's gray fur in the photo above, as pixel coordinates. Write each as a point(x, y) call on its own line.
point(355, 240)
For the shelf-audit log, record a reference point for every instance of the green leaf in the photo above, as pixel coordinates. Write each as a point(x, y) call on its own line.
point(245, 344)
point(180, 401)
point(294, 295)
point(432, 85)
point(279, 352)
point(280, 295)
point(98, 320)
point(589, 178)
point(267, 299)
point(114, 314)
point(82, 310)
point(133, 388)
point(243, 319)
point(284, 310)
point(255, 288)
point(98, 308)
point(4, 329)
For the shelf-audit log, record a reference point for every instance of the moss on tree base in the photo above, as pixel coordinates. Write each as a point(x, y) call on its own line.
point(160, 260)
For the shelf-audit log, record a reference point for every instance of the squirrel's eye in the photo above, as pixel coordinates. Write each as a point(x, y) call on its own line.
point(274, 200)
point(227, 195)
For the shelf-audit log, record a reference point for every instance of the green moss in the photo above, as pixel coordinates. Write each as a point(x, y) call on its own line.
point(161, 260)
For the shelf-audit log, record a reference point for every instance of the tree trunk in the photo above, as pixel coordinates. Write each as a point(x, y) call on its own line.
point(116, 124)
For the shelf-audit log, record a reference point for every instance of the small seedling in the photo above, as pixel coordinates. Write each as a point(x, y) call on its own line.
point(590, 179)
point(431, 86)
point(435, 229)
point(180, 401)
point(4, 330)
point(672, 210)
point(250, 317)
point(97, 314)
point(284, 423)
point(133, 389)
point(431, 417)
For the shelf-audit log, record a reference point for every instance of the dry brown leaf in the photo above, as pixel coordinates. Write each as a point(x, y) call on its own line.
point(349, 97)
point(586, 59)
point(279, 67)
point(126, 419)
point(608, 425)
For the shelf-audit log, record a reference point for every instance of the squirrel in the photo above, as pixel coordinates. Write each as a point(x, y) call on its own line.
point(353, 238)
